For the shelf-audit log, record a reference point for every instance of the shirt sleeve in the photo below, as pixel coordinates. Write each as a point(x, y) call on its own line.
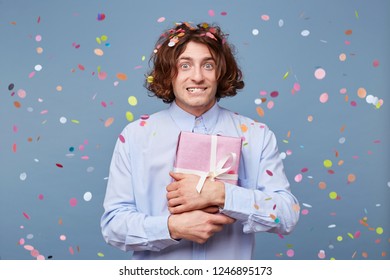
point(122, 224)
point(265, 203)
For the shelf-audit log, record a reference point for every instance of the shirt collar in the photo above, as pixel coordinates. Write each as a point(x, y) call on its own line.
point(185, 121)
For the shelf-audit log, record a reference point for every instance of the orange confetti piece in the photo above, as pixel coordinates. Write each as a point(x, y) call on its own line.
point(322, 185)
point(244, 128)
point(121, 76)
point(17, 104)
point(260, 111)
point(351, 178)
point(14, 147)
point(348, 32)
point(109, 122)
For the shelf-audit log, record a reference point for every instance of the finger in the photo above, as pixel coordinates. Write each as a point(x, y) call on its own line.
point(176, 176)
point(211, 209)
point(172, 194)
point(172, 187)
point(177, 209)
point(174, 202)
point(223, 219)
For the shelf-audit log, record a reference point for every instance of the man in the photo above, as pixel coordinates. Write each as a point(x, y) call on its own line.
point(159, 214)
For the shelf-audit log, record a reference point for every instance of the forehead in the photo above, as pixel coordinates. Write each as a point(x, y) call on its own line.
point(194, 50)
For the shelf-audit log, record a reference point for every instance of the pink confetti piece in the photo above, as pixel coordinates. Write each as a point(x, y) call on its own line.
point(290, 253)
point(71, 251)
point(269, 172)
point(73, 202)
point(26, 215)
point(122, 139)
point(28, 247)
point(319, 73)
point(211, 13)
point(161, 19)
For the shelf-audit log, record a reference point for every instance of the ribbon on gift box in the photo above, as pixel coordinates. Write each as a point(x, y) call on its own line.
point(217, 170)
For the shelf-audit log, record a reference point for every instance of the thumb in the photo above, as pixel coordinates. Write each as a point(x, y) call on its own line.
point(176, 176)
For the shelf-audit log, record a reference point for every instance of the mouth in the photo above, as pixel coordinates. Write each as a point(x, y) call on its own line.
point(196, 89)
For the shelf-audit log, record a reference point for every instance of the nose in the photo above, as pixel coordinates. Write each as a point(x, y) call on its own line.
point(197, 75)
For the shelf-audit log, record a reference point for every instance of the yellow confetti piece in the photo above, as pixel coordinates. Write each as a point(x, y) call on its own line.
point(333, 195)
point(379, 230)
point(132, 100)
point(100, 254)
point(75, 121)
point(350, 235)
point(328, 163)
point(109, 122)
point(339, 238)
point(129, 116)
point(356, 14)
point(143, 58)
point(286, 75)
point(149, 79)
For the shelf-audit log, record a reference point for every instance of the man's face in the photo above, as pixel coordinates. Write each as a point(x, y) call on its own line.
point(195, 85)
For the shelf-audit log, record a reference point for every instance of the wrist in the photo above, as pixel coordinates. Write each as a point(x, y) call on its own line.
point(217, 195)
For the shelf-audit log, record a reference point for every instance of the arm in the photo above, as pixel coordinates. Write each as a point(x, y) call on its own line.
point(123, 225)
point(265, 204)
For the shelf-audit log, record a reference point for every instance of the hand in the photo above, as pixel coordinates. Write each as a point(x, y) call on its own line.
point(197, 226)
point(182, 194)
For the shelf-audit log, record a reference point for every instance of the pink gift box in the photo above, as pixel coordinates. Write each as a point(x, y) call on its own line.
point(208, 156)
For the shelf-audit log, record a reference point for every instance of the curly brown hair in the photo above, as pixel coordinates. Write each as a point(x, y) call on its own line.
point(172, 44)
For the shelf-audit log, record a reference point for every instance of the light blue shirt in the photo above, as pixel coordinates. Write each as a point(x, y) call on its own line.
point(135, 207)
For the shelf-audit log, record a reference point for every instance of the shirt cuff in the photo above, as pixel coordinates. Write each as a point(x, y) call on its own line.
point(156, 228)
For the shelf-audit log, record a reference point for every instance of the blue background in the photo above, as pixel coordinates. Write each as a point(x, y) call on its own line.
point(59, 124)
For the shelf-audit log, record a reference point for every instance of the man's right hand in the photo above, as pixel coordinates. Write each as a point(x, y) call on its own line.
point(197, 225)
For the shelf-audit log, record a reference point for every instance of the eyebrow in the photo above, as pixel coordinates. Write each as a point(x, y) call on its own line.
point(191, 59)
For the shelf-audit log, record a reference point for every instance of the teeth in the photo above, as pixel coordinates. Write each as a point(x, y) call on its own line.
point(195, 90)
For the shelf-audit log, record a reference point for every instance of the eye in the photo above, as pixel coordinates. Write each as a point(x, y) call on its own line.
point(185, 66)
point(209, 66)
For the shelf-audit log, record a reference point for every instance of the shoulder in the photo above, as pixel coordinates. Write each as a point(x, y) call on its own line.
point(244, 123)
point(145, 124)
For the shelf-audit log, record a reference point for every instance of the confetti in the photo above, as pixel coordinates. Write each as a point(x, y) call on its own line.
point(101, 16)
point(324, 97)
point(132, 100)
point(121, 76)
point(73, 202)
point(319, 73)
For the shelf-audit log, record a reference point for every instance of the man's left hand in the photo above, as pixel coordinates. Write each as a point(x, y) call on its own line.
point(182, 194)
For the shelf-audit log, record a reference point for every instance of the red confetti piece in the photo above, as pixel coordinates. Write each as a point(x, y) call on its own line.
point(274, 94)
point(26, 215)
point(269, 172)
point(81, 67)
point(122, 139)
point(71, 251)
point(14, 147)
point(59, 165)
